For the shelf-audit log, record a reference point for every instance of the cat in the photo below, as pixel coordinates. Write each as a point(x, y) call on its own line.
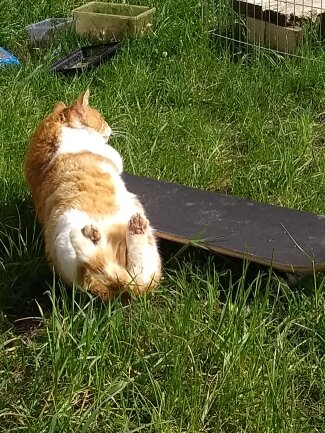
point(96, 232)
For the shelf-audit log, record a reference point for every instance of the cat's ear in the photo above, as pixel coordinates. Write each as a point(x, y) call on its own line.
point(82, 102)
point(59, 106)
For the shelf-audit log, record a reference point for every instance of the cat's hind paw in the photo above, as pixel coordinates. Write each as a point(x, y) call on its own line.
point(91, 232)
point(138, 224)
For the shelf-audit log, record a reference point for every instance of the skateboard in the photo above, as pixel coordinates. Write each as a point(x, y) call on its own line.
point(286, 239)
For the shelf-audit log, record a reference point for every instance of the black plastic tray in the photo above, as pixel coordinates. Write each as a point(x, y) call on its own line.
point(85, 58)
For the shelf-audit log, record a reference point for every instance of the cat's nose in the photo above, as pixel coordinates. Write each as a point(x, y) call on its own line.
point(107, 133)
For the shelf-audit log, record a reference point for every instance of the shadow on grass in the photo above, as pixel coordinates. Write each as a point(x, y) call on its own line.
point(24, 274)
point(237, 272)
point(231, 271)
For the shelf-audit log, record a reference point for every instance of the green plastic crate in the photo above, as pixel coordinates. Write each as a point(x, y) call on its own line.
point(108, 21)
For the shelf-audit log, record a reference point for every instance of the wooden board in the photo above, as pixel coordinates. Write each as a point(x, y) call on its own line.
point(283, 39)
point(287, 239)
point(281, 12)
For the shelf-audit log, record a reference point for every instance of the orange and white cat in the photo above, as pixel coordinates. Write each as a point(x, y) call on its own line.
point(96, 232)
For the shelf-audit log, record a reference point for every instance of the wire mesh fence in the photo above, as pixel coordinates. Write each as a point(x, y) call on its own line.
point(293, 27)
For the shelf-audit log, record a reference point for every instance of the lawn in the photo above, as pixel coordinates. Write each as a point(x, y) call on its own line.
point(222, 346)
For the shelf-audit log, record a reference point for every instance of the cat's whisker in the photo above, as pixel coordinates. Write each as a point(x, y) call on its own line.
point(119, 131)
point(122, 134)
point(118, 134)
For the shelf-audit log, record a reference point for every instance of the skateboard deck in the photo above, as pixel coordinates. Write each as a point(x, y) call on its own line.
point(286, 239)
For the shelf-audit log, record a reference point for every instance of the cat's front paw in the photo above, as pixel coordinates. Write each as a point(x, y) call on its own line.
point(138, 224)
point(91, 232)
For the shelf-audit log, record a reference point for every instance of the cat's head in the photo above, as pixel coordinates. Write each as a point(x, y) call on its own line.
point(81, 115)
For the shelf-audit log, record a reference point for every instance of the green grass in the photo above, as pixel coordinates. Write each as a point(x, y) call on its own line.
point(221, 346)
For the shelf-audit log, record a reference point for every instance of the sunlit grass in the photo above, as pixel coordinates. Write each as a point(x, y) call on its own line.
point(220, 347)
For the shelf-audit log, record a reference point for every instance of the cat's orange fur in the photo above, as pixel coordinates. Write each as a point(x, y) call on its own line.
point(76, 181)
